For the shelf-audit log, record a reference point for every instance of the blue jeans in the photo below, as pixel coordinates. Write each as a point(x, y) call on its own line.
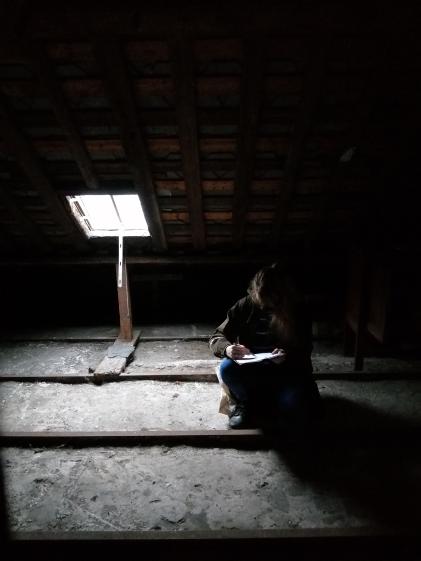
point(295, 397)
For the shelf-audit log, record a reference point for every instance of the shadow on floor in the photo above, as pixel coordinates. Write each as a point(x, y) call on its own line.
point(371, 460)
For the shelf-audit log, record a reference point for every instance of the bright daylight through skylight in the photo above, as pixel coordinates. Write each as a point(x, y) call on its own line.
point(109, 215)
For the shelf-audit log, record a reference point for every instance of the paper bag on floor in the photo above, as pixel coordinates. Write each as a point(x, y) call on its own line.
point(227, 402)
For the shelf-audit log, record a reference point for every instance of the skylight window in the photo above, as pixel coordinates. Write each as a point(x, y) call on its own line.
point(109, 215)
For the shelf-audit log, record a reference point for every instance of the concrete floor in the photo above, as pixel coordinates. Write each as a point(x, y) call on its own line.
point(58, 357)
point(184, 488)
point(153, 405)
point(346, 484)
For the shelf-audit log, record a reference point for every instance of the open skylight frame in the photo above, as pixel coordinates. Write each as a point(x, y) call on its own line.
point(109, 215)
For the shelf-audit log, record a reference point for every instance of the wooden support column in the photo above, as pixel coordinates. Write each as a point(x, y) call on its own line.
point(124, 306)
point(363, 306)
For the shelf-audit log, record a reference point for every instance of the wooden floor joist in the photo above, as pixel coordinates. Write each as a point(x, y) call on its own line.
point(127, 438)
point(268, 437)
point(194, 376)
point(223, 534)
point(327, 544)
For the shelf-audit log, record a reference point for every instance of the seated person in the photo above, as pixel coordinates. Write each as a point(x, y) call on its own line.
point(271, 318)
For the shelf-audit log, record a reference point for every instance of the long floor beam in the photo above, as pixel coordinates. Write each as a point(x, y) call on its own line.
point(327, 544)
point(192, 376)
point(260, 438)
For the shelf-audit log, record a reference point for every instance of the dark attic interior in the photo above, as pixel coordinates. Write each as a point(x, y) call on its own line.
point(153, 157)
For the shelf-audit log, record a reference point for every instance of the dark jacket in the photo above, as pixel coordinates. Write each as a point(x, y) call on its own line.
point(251, 325)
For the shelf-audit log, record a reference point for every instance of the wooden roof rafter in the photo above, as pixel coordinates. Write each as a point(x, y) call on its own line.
point(353, 140)
point(251, 100)
point(119, 89)
point(54, 92)
point(183, 72)
point(310, 99)
point(28, 160)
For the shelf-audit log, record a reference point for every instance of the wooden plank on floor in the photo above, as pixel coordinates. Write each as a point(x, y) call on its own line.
point(118, 355)
point(110, 366)
point(121, 348)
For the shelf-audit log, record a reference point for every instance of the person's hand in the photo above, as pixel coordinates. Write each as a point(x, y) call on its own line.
point(279, 356)
point(237, 351)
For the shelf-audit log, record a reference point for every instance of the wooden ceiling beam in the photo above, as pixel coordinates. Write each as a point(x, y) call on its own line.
point(251, 98)
point(156, 20)
point(303, 124)
point(119, 88)
point(183, 72)
point(28, 160)
point(62, 112)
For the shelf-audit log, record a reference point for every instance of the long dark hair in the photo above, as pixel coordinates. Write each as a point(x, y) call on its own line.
point(273, 289)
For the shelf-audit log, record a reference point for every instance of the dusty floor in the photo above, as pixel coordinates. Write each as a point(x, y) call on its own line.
point(152, 405)
point(58, 357)
point(187, 488)
point(345, 484)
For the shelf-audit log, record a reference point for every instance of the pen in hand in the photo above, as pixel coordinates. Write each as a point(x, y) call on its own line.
point(236, 350)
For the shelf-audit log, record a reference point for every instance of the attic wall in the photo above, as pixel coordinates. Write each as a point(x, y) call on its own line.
point(86, 295)
point(280, 128)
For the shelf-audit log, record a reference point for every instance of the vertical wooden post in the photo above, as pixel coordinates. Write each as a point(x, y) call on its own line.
point(348, 340)
point(124, 306)
point(363, 306)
